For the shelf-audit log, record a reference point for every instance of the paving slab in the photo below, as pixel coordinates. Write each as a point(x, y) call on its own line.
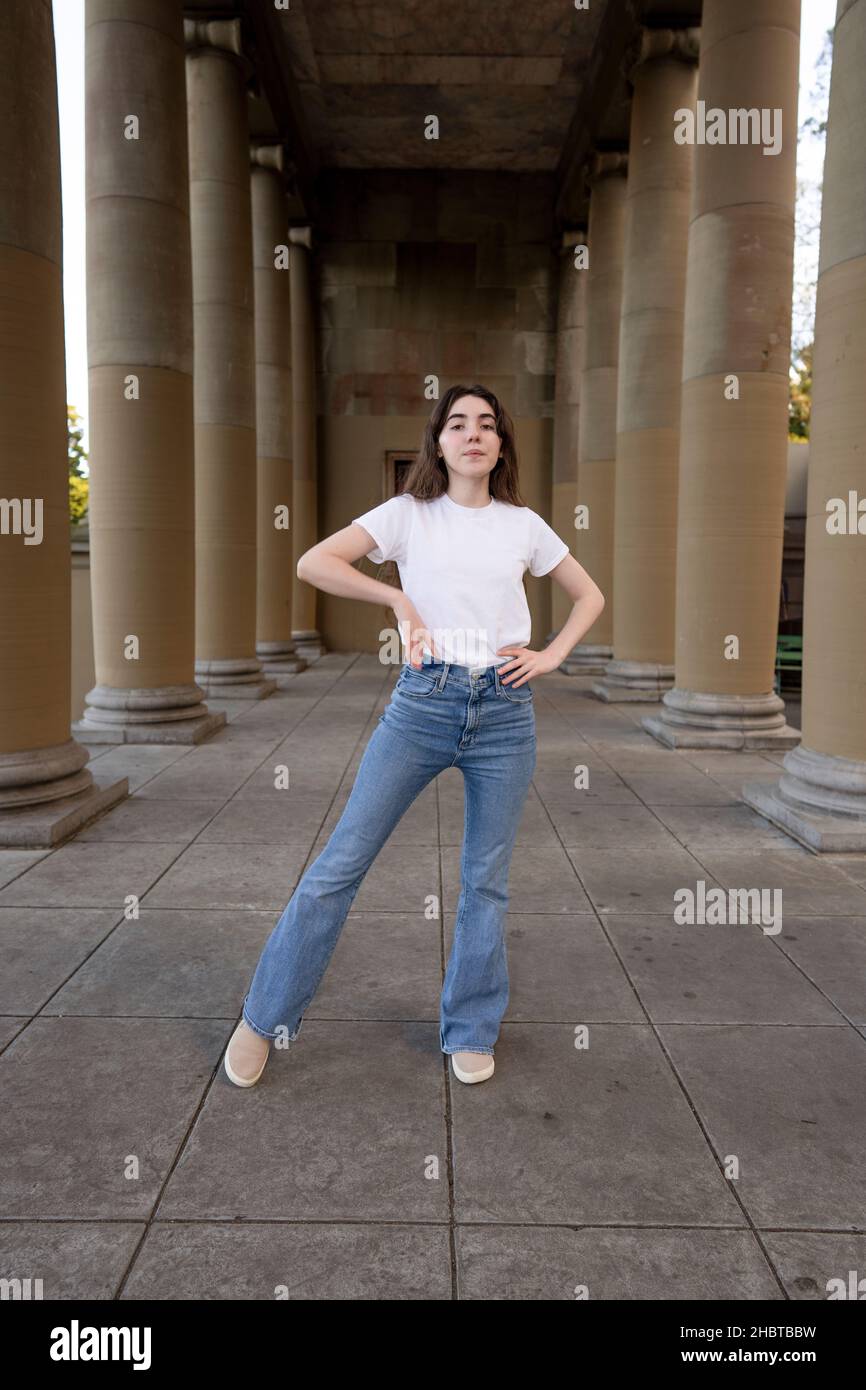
point(636, 1056)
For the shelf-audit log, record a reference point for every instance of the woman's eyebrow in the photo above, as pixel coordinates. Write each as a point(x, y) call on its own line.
point(458, 415)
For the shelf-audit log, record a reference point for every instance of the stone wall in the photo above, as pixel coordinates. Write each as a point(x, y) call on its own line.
point(423, 273)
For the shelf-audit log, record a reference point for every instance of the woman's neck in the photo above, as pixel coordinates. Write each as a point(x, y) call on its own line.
point(468, 493)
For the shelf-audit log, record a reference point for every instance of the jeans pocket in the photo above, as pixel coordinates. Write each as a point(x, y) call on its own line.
point(416, 683)
point(521, 696)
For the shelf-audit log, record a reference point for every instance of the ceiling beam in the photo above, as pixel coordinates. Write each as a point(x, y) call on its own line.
point(619, 28)
point(274, 71)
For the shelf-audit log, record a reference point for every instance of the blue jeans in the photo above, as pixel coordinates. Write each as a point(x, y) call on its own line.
point(442, 715)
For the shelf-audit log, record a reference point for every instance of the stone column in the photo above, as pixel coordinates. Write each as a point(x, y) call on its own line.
point(570, 336)
point(820, 797)
point(734, 417)
point(273, 334)
point(46, 790)
point(650, 369)
point(306, 524)
point(224, 378)
point(593, 547)
point(139, 349)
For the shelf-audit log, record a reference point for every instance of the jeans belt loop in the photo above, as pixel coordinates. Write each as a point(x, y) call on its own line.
point(443, 678)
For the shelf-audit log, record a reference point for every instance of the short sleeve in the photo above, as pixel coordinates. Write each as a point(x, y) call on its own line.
point(388, 524)
point(546, 547)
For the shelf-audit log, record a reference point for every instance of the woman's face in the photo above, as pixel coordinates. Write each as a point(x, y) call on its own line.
point(469, 442)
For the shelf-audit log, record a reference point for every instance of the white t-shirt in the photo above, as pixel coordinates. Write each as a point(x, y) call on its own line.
point(463, 567)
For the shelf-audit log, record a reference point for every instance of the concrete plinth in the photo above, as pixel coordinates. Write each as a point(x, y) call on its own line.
point(309, 645)
point(819, 799)
point(700, 719)
point(47, 824)
point(233, 680)
point(161, 731)
point(280, 658)
point(165, 714)
point(826, 834)
point(634, 681)
point(285, 668)
point(586, 660)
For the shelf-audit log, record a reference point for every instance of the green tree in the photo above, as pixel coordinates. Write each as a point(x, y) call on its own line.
point(79, 483)
point(808, 234)
point(820, 93)
point(800, 394)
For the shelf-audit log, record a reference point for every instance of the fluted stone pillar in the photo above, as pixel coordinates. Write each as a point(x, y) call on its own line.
point(734, 417)
point(273, 334)
point(593, 546)
point(307, 637)
point(650, 370)
point(139, 348)
point(224, 376)
point(570, 338)
point(821, 795)
point(46, 789)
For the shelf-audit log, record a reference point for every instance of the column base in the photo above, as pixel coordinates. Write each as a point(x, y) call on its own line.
point(309, 644)
point(187, 731)
point(586, 660)
point(29, 776)
point(147, 714)
point(229, 679)
point(701, 719)
point(634, 680)
point(819, 799)
point(280, 658)
point(48, 824)
point(285, 668)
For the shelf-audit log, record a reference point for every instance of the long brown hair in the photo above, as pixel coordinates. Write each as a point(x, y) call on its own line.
point(428, 476)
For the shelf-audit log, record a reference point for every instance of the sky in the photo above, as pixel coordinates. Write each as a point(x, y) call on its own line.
point(817, 16)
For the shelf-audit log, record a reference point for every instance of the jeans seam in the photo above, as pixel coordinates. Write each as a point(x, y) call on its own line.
point(305, 1005)
point(467, 838)
point(314, 991)
point(511, 700)
point(418, 694)
point(255, 1028)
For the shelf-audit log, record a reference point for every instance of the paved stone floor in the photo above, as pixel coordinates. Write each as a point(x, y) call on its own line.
point(709, 1142)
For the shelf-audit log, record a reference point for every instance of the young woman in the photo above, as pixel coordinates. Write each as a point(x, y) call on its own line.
point(462, 539)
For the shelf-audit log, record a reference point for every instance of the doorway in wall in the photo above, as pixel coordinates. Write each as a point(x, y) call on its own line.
point(396, 467)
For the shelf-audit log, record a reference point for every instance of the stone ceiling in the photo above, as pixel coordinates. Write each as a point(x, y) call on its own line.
point(502, 80)
point(515, 86)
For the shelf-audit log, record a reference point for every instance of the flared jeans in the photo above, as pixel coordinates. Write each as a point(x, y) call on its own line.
point(440, 716)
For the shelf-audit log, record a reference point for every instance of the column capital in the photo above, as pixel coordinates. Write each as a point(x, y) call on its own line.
point(269, 156)
point(222, 35)
point(605, 163)
point(652, 44)
point(573, 236)
point(301, 236)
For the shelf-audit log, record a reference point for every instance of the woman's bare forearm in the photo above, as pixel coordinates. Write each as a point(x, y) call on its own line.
point(336, 576)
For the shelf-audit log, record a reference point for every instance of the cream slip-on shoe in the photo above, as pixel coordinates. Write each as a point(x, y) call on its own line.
point(471, 1066)
point(243, 1055)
